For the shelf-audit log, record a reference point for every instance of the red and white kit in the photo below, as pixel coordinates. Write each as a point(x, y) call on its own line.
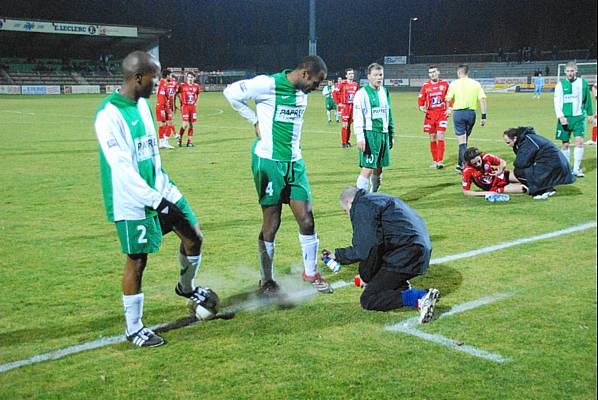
point(432, 96)
point(346, 94)
point(486, 178)
point(189, 94)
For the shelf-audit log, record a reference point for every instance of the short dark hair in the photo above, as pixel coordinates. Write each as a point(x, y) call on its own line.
point(190, 73)
point(348, 69)
point(313, 64)
point(432, 66)
point(373, 66)
point(471, 153)
point(165, 73)
point(464, 68)
point(519, 132)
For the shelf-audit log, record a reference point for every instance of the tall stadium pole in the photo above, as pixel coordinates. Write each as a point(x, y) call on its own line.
point(312, 28)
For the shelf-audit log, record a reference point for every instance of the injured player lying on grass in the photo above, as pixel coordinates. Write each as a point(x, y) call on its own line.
point(488, 172)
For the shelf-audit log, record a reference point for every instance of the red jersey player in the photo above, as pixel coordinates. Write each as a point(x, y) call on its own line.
point(172, 87)
point(336, 97)
point(188, 93)
point(347, 91)
point(163, 111)
point(592, 142)
point(431, 100)
point(488, 173)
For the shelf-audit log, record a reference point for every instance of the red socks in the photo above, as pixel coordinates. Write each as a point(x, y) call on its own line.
point(440, 150)
point(437, 150)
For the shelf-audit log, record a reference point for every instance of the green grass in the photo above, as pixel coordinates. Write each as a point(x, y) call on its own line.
point(60, 270)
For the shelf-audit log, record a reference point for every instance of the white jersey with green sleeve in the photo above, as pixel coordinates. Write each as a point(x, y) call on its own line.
point(371, 112)
point(280, 108)
point(572, 99)
point(133, 181)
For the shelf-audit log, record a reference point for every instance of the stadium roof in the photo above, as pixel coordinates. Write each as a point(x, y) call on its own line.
point(62, 39)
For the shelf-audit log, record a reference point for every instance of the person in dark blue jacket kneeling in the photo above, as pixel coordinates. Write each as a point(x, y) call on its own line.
point(392, 245)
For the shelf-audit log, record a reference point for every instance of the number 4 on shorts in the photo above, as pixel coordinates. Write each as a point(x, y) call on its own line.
point(269, 190)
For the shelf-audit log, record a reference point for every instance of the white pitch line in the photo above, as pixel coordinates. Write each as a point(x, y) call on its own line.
point(336, 285)
point(409, 327)
point(517, 242)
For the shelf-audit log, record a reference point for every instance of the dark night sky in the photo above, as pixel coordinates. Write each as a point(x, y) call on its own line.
point(210, 33)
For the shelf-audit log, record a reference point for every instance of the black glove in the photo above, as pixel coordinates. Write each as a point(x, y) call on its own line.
point(169, 210)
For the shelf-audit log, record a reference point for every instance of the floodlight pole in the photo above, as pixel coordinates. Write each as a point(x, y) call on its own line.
point(312, 28)
point(411, 19)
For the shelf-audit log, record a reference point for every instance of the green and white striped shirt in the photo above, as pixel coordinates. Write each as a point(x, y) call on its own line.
point(371, 112)
point(280, 108)
point(133, 181)
point(572, 99)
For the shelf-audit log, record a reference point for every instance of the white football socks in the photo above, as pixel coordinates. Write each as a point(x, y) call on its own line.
point(189, 267)
point(362, 183)
point(577, 157)
point(328, 115)
point(375, 181)
point(309, 248)
point(133, 305)
point(266, 250)
point(567, 154)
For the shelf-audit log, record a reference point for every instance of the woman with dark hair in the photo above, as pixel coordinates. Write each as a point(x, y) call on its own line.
point(539, 164)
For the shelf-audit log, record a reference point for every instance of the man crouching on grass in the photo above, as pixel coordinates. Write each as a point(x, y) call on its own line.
point(392, 245)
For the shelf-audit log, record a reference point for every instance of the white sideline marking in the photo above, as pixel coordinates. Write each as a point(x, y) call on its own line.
point(336, 285)
point(517, 242)
point(409, 327)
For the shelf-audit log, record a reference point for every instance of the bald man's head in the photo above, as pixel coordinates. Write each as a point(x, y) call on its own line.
point(139, 62)
point(141, 72)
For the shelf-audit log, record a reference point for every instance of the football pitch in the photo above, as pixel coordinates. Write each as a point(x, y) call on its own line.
point(515, 322)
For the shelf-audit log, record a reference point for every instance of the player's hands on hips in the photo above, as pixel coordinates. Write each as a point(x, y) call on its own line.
point(563, 121)
point(361, 145)
point(257, 130)
point(326, 253)
point(170, 210)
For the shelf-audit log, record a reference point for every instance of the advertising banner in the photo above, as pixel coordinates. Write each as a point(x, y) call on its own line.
point(512, 80)
point(396, 82)
point(112, 88)
point(80, 89)
point(66, 28)
point(395, 60)
point(10, 89)
point(40, 89)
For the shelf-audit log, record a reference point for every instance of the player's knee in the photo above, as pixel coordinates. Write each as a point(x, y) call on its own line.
point(368, 300)
point(307, 225)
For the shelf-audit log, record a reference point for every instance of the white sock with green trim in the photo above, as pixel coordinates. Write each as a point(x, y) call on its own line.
point(189, 267)
point(577, 157)
point(309, 248)
point(266, 250)
point(133, 305)
point(362, 183)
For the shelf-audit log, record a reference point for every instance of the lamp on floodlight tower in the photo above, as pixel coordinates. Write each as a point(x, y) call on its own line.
point(411, 19)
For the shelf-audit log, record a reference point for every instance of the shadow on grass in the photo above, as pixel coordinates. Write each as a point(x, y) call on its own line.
point(424, 191)
point(441, 277)
point(589, 164)
point(568, 190)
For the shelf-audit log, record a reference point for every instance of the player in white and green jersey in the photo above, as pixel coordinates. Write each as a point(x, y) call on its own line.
point(140, 198)
point(374, 128)
point(572, 105)
point(329, 101)
point(278, 169)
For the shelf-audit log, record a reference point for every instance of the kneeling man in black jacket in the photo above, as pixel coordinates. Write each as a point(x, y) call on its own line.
point(392, 245)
